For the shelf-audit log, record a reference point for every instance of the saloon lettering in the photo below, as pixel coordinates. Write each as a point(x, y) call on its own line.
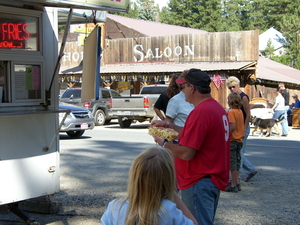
point(13, 35)
point(158, 53)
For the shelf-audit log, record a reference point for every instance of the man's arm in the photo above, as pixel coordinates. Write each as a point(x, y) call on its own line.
point(169, 119)
point(179, 151)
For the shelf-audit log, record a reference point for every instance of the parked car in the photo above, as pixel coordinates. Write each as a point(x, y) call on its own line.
point(99, 108)
point(136, 107)
point(78, 120)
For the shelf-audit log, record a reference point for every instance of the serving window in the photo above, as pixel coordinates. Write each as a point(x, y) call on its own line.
point(21, 57)
point(20, 82)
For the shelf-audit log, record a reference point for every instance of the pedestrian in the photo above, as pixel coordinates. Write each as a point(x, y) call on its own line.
point(178, 108)
point(286, 96)
point(202, 156)
point(237, 130)
point(278, 108)
point(297, 102)
point(233, 83)
point(151, 197)
point(162, 101)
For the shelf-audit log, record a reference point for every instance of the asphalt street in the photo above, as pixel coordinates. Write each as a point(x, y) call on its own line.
point(94, 170)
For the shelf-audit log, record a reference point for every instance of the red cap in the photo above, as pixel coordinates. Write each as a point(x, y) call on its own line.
point(180, 81)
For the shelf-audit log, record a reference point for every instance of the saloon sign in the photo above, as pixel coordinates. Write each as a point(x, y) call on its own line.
point(158, 53)
point(193, 47)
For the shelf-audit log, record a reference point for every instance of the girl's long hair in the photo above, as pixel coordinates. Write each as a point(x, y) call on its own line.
point(173, 88)
point(151, 179)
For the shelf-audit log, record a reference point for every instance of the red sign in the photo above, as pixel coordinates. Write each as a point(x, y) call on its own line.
point(13, 35)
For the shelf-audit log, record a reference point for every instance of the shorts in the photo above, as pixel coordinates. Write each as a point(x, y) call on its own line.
point(235, 155)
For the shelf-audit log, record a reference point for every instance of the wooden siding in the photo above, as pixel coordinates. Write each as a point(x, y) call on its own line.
point(203, 47)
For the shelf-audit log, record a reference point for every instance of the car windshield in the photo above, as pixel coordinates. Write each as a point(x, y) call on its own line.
point(153, 90)
point(72, 93)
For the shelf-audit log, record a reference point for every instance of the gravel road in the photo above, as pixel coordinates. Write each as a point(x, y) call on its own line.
point(97, 173)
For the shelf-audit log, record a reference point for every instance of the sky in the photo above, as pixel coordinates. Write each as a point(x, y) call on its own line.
point(161, 3)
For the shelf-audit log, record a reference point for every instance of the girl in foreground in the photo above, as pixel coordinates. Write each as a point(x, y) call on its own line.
point(151, 199)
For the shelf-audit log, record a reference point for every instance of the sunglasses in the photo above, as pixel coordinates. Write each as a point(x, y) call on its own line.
point(231, 87)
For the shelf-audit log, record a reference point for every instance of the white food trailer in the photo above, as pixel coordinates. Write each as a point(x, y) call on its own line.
point(29, 63)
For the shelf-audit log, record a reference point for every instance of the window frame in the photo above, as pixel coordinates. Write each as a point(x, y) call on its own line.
point(23, 57)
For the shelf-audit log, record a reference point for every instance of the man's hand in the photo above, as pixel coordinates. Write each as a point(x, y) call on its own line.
point(159, 140)
point(158, 123)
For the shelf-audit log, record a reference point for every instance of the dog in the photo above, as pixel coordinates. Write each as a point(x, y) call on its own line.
point(266, 124)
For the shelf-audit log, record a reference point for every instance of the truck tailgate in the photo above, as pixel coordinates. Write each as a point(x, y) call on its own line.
point(127, 103)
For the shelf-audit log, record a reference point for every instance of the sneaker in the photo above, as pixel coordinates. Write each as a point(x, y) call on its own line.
point(251, 175)
point(239, 187)
point(231, 189)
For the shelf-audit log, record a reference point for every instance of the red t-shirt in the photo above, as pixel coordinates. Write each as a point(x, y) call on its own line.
point(207, 130)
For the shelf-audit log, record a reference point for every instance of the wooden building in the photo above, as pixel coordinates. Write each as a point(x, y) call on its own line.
point(138, 59)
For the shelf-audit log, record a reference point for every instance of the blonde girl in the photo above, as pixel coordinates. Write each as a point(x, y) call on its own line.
point(151, 197)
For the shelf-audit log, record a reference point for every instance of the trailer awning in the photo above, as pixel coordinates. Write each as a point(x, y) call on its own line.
point(81, 16)
point(103, 5)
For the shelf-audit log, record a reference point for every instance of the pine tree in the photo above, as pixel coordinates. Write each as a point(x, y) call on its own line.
point(133, 11)
point(286, 20)
point(230, 16)
point(200, 14)
point(270, 50)
point(148, 10)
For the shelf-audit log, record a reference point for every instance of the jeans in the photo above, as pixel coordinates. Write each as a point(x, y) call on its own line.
point(202, 200)
point(284, 124)
point(245, 163)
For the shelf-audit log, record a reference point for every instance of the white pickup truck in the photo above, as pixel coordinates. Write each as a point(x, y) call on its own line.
point(136, 107)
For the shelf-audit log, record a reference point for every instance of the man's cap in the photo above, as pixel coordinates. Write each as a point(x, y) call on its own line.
point(295, 96)
point(195, 77)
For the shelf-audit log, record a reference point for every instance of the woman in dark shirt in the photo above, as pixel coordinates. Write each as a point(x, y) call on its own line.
point(162, 102)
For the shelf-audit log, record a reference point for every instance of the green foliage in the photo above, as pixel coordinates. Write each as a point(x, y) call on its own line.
point(148, 10)
point(61, 29)
point(164, 14)
point(270, 49)
point(142, 9)
point(290, 27)
point(204, 15)
point(133, 11)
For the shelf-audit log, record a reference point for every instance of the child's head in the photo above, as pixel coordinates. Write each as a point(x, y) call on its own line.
point(152, 177)
point(234, 100)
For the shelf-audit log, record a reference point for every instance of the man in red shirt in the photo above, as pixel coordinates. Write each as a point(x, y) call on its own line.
point(202, 156)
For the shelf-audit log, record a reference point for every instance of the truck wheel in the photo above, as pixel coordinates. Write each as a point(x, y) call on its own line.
point(124, 123)
point(75, 133)
point(99, 118)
